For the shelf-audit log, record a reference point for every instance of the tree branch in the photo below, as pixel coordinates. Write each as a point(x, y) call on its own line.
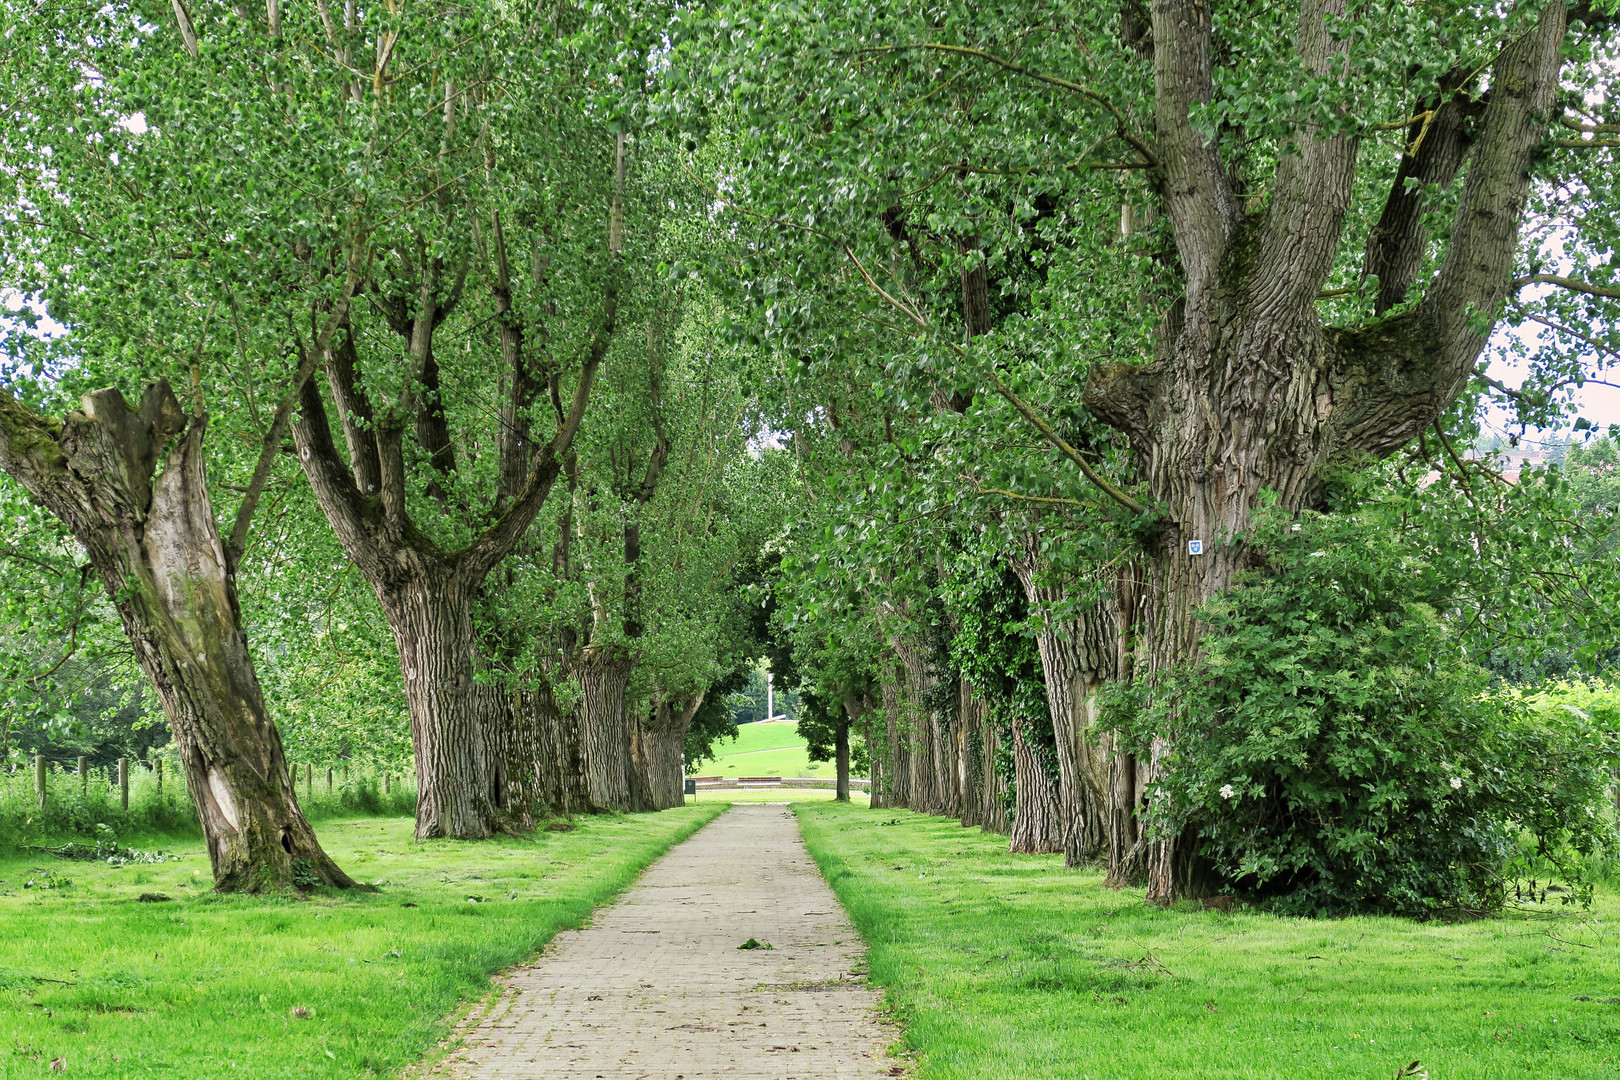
point(188, 32)
point(1120, 120)
point(1568, 283)
point(1475, 277)
point(1197, 191)
point(237, 543)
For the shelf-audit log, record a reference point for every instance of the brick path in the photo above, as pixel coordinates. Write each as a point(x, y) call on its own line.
point(656, 987)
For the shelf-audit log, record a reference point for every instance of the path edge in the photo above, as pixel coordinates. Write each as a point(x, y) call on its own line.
point(471, 1013)
point(891, 1014)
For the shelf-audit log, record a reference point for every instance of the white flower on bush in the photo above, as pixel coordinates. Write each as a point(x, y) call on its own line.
point(1227, 791)
point(1456, 783)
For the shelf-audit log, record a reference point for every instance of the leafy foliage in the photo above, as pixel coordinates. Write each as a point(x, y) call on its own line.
point(1336, 749)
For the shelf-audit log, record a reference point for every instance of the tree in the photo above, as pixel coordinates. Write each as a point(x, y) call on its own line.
point(131, 482)
point(1314, 294)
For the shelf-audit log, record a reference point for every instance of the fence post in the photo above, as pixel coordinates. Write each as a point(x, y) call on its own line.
point(309, 781)
point(387, 783)
point(157, 768)
point(328, 781)
point(84, 777)
point(123, 783)
point(39, 778)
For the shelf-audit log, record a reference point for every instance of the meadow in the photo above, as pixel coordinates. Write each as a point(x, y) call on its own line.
point(764, 749)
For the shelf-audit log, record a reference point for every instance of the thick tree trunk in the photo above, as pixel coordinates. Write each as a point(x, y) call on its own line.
point(455, 722)
point(1077, 660)
point(661, 751)
point(155, 544)
point(1037, 827)
point(917, 729)
point(897, 768)
point(994, 796)
point(604, 727)
point(541, 758)
point(1251, 392)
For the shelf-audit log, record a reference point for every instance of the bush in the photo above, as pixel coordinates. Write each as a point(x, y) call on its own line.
point(1335, 750)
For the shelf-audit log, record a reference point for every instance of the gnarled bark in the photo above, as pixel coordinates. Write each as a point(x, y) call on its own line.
point(538, 750)
point(154, 542)
point(1252, 392)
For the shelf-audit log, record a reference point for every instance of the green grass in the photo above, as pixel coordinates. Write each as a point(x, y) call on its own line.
point(773, 795)
point(206, 986)
point(1010, 966)
point(89, 809)
point(765, 750)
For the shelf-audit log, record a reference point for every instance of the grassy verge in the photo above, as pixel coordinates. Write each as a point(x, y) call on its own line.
point(1011, 966)
point(332, 986)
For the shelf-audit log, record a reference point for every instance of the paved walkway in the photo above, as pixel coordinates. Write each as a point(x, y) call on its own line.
point(657, 988)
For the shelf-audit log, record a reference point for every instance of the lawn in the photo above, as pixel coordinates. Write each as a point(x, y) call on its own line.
point(1010, 966)
point(774, 749)
point(336, 985)
point(772, 795)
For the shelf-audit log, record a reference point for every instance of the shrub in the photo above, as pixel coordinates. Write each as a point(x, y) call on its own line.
point(1335, 750)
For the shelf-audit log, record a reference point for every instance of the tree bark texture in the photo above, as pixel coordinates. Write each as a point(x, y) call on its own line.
point(1251, 392)
point(969, 756)
point(1078, 658)
point(897, 765)
point(660, 750)
point(543, 762)
point(604, 725)
point(1037, 826)
point(131, 485)
point(455, 722)
point(993, 792)
point(917, 728)
point(877, 777)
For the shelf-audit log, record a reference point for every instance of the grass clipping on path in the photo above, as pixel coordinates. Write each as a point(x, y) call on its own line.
point(334, 986)
point(1005, 966)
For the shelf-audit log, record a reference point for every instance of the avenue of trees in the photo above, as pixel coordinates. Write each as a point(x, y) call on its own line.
point(1073, 403)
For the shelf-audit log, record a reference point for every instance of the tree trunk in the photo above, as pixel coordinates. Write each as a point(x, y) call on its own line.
point(455, 722)
point(1077, 659)
point(969, 756)
point(156, 546)
point(897, 769)
point(541, 758)
point(604, 726)
point(948, 761)
point(1251, 393)
point(917, 728)
point(854, 712)
point(1037, 827)
point(661, 756)
point(877, 776)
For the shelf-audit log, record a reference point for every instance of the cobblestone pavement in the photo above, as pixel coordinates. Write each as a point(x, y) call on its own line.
point(657, 988)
